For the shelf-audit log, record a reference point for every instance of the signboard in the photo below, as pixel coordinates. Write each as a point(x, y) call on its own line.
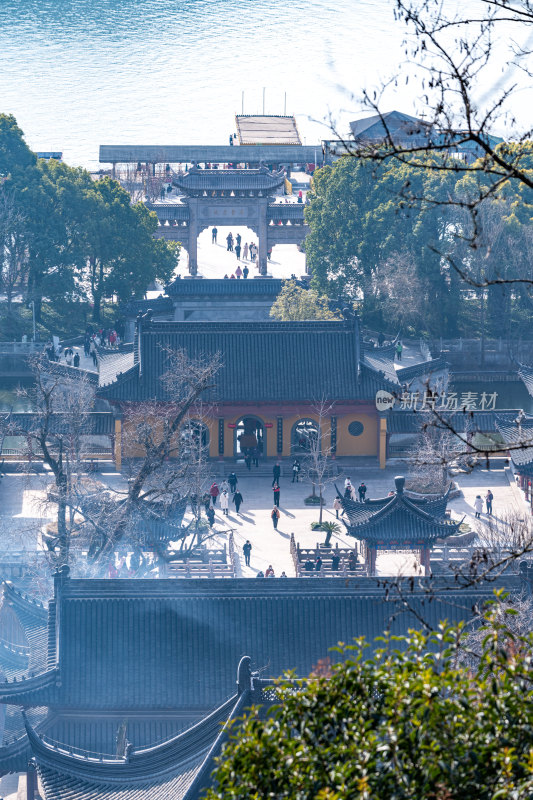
point(384, 400)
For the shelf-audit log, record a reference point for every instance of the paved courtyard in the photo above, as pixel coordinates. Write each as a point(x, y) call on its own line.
point(21, 512)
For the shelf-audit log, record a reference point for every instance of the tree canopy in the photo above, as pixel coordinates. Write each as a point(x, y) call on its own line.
point(397, 234)
point(419, 720)
point(64, 235)
point(295, 302)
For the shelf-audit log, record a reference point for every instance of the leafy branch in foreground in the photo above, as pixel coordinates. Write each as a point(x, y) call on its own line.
point(411, 722)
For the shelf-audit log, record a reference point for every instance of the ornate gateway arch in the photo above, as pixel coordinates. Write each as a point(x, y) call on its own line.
point(239, 197)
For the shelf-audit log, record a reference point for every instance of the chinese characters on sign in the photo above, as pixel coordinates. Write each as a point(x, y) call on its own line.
point(448, 401)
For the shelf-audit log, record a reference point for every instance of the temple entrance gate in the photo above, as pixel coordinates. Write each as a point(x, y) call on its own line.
point(236, 197)
point(249, 437)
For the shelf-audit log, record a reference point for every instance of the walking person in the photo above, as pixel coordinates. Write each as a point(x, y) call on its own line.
point(94, 356)
point(337, 506)
point(248, 460)
point(238, 239)
point(362, 492)
point(276, 491)
point(214, 234)
point(348, 488)
point(245, 272)
point(224, 503)
point(238, 271)
point(237, 499)
point(214, 492)
point(275, 515)
point(276, 472)
point(489, 497)
point(245, 252)
point(232, 481)
point(478, 506)
point(229, 240)
point(399, 351)
point(247, 549)
point(210, 514)
point(76, 360)
point(295, 470)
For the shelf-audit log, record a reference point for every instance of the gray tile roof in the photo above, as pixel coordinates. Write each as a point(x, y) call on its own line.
point(381, 362)
point(229, 179)
point(519, 439)
point(95, 423)
point(166, 770)
point(526, 374)
point(422, 369)
point(159, 305)
point(262, 361)
point(134, 645)
point(182, 287)
point(405, 421)
point(111, 365)
point(399, 520)
point(399, 125)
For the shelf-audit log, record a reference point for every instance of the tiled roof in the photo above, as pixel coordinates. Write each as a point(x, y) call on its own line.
point(33, 618)
point(519, 439)
point(397, 123)
point(399, 421)
point(159, 305)
point(359, 513)
point(129, 645)
point(421, 369)
point(229, 179)
point(182, 287)
point(113, 364)
point(399, 520)
point(95, 423)
point(15, 751)
point(163, 772)
point(261, 361)
point(526, 373)
point(381, 362)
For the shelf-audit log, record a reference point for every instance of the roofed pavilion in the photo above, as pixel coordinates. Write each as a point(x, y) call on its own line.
point(399, 522)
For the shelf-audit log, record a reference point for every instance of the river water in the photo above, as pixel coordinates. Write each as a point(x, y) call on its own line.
point(80, 73)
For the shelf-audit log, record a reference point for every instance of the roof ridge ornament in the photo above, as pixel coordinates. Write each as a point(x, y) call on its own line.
point(399, 482)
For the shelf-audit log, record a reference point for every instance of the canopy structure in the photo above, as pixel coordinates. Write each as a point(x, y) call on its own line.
point(261, 129)
point(399, 522)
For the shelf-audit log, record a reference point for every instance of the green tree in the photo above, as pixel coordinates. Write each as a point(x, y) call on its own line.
point(414, 722)
point(74, 237)
point(362, 220)
point(294, 302)
point(15, 155)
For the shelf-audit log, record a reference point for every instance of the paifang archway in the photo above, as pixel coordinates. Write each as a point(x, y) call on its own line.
point(230, 197)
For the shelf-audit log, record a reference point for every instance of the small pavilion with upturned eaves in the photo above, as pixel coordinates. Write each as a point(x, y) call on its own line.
point(399, 522)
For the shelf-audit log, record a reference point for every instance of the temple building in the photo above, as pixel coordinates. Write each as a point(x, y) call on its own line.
point(211, 300)
point(400, 521)
point(272, 379)
point(134, 682)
